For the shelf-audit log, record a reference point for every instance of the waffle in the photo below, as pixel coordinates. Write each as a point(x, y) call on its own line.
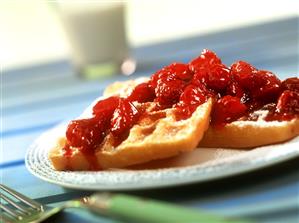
point(249, 134)
point(156, 136)
point(238, 134)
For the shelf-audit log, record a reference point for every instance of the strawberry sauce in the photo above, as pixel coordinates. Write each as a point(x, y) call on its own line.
point(238, 91)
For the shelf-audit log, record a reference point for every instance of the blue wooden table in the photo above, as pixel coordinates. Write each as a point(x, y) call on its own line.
point(34, 99)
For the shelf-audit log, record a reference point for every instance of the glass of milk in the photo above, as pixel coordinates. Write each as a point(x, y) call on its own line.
point(97, 36)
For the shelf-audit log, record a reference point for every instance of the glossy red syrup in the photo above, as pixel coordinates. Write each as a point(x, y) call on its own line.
point(190, 99)
point(124, 117)
point(227, 109)
point(291, 84)
point(142, 93)
point(169, 84)
point(237, 91)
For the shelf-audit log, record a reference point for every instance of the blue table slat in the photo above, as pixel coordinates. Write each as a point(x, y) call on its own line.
point(15, 146)
point(42, 116)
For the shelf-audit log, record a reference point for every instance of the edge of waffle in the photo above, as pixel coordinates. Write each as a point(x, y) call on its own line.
point(156, 136)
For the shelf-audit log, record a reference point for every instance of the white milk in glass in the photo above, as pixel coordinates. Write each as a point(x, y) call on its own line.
point(97, 35)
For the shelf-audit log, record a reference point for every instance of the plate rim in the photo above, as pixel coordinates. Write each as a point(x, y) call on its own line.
point(250, 167)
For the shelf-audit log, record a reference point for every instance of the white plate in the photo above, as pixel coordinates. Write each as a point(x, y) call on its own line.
point(198, 166)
